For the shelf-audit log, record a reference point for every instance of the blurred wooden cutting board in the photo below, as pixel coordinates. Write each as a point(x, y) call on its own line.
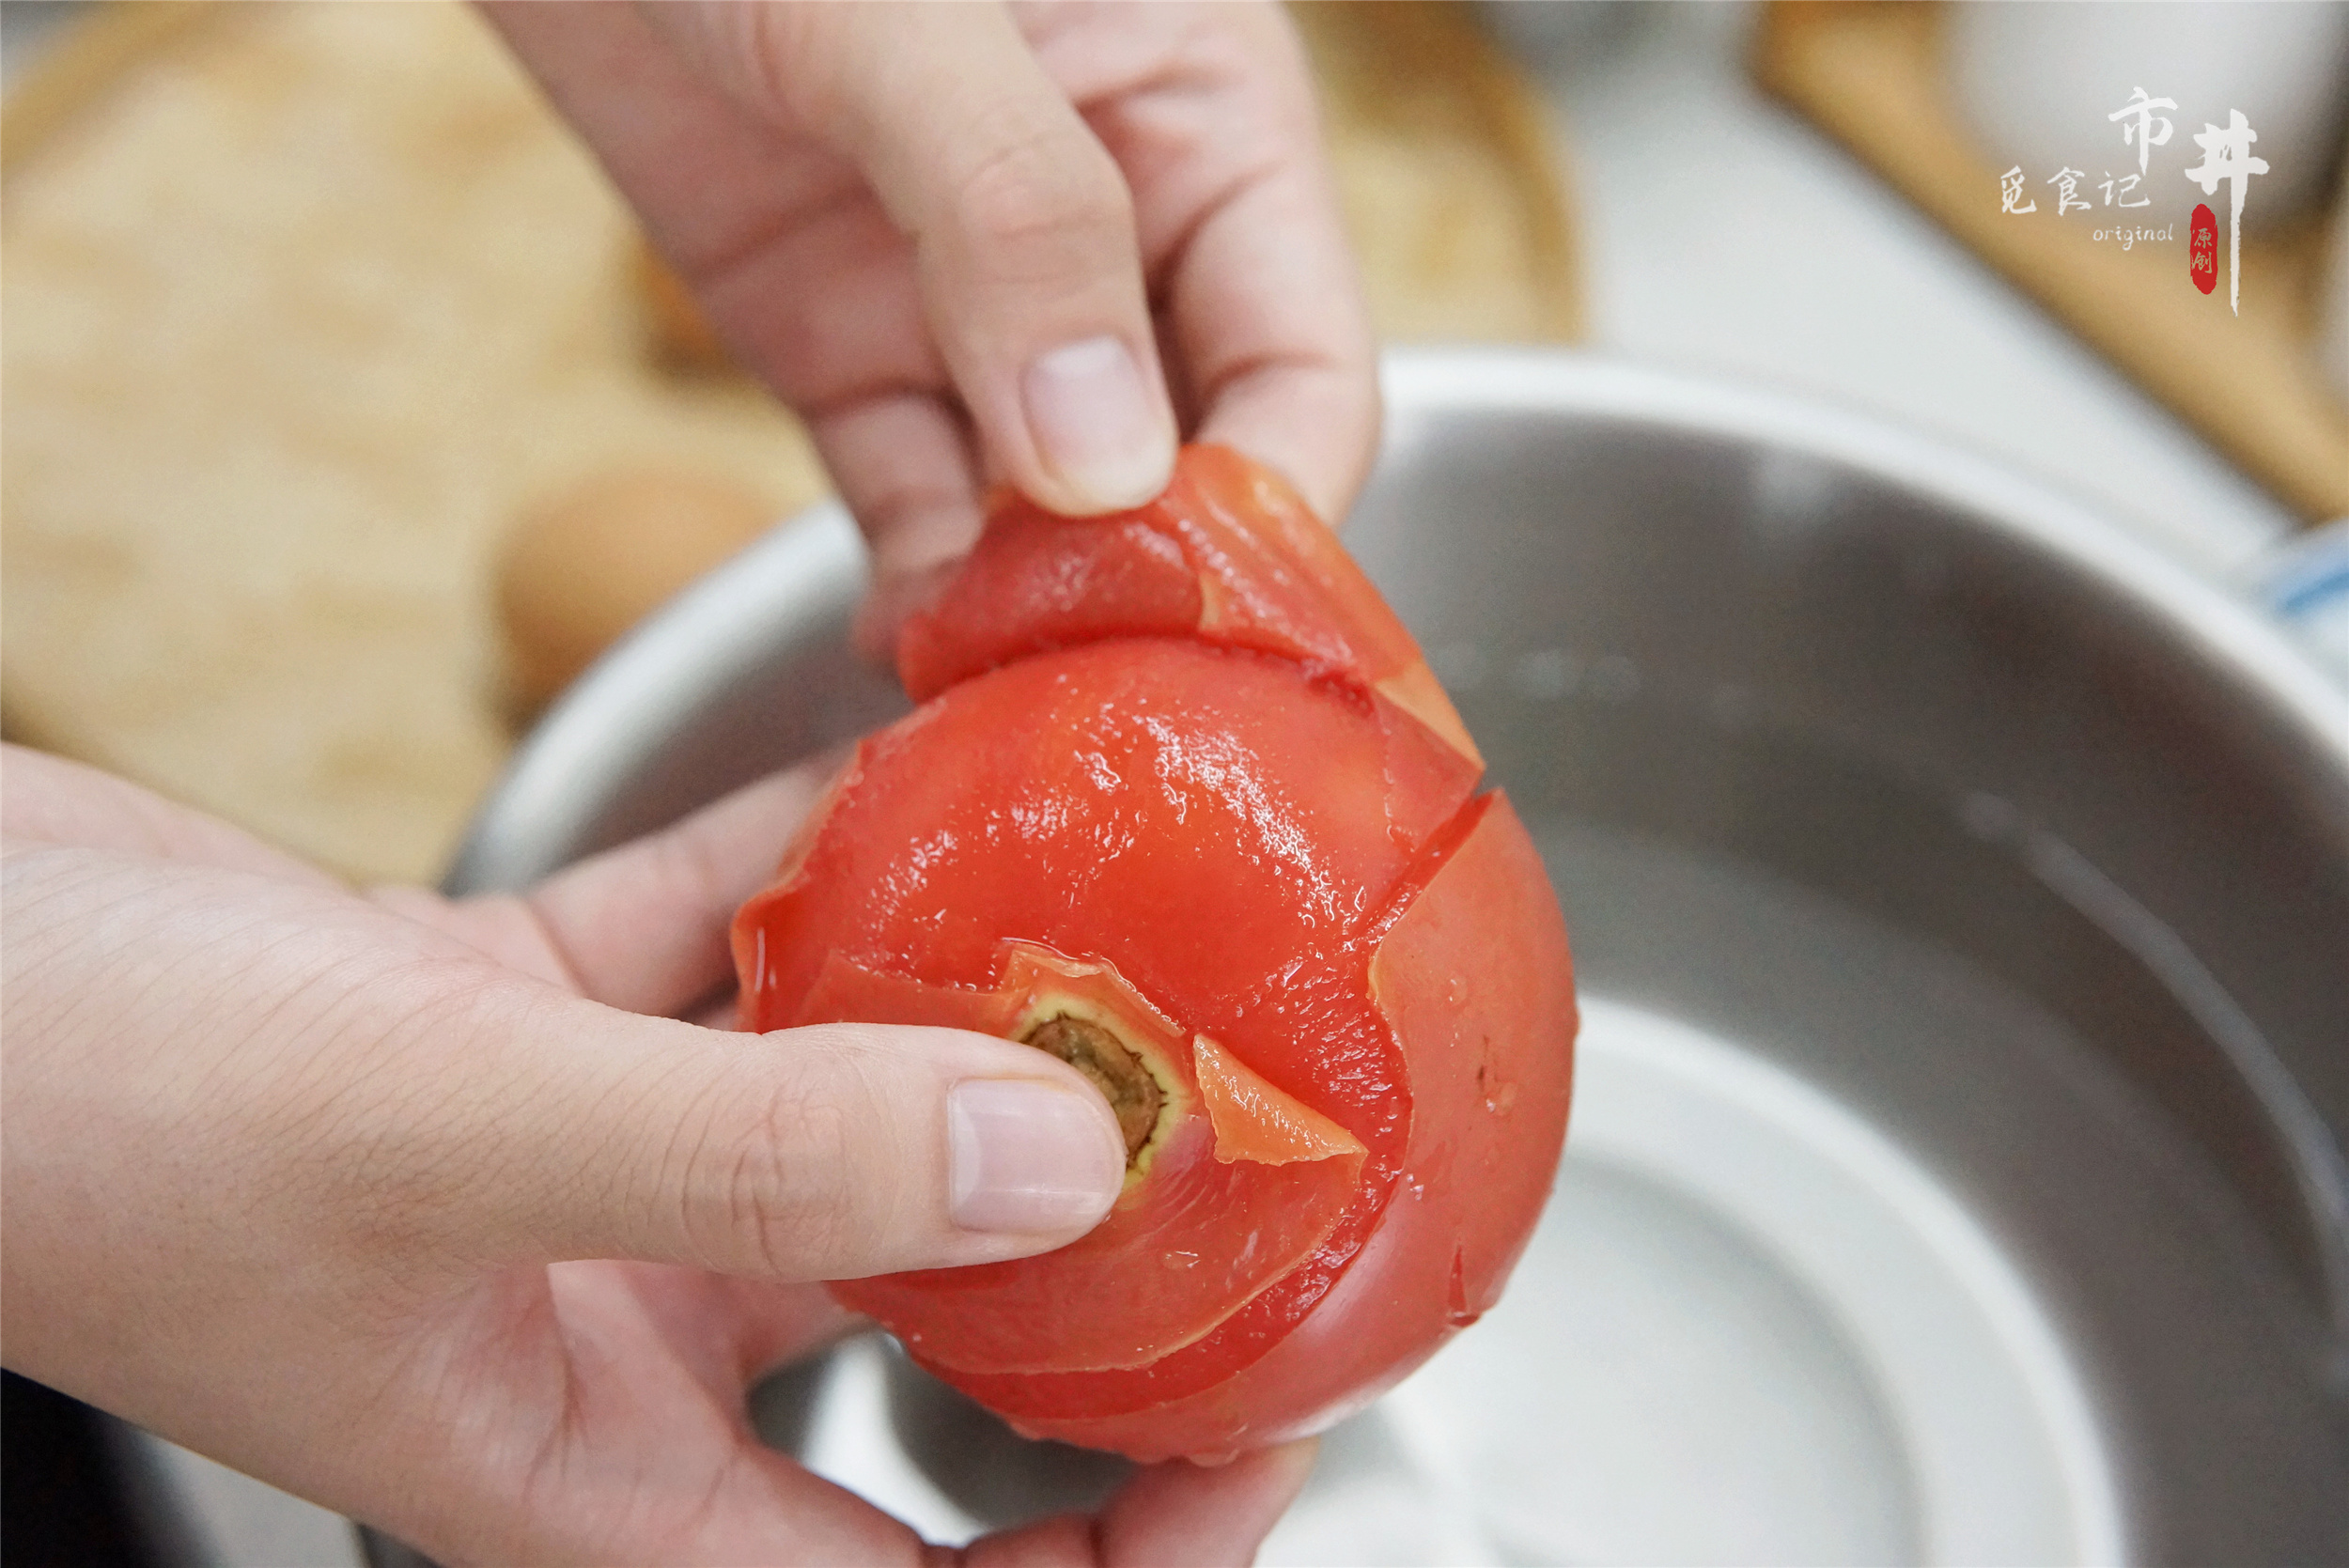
point(306, 302)
point(1874, 76)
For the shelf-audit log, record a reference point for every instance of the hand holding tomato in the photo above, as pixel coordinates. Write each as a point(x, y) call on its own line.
point(1185, 808)
point(423, 1210)
point(980, 244)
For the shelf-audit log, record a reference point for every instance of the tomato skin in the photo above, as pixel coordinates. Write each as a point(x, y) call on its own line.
point(1229, 874)
point(1218, 806)
point(1189, 753)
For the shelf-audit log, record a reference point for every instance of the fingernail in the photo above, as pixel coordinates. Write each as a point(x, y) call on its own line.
point(1029, 1156)
point(1097, 426)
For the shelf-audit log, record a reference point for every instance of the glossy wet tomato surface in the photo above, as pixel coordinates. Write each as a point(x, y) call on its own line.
point(1183, 797)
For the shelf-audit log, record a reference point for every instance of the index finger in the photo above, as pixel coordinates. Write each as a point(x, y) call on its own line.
point(1177, 1512)
point(1269, 323)
point(1261, 307)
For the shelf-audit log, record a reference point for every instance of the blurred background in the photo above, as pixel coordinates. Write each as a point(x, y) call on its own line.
point(344, 417)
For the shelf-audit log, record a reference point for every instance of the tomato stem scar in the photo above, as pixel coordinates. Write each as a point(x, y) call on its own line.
point(1133, 1093)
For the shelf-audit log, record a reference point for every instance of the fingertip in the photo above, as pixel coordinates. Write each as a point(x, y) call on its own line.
point(1193, 1513)
point(1280, 1472)
point(894, 597)
point(827, 1152)
point(1295, 1459)
point(1318, 426)
point(1103, 432)
point(1030, 1157)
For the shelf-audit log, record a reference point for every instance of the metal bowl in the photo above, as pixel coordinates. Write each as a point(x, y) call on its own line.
point(1961, 898)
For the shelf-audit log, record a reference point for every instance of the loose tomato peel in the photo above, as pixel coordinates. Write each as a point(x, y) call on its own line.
point(1229, 555)
point(1254, 1120)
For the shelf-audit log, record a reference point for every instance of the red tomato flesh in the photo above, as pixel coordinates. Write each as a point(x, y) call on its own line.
point(1182, 773)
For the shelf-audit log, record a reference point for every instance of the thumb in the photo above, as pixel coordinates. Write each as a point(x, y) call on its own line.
point(824, 1152)
point(1022, 224)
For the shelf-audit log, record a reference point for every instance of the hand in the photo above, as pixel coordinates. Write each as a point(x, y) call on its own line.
point(301, 1178)
point(970, 244)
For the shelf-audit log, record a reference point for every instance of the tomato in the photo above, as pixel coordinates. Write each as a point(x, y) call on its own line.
point(1184, 805)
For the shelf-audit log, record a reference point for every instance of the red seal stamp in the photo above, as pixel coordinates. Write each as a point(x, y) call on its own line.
point(2201, 249)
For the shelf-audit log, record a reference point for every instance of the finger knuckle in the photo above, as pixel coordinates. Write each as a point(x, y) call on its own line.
point(775, 1186)
point(797, 1208)
point(1044, 201)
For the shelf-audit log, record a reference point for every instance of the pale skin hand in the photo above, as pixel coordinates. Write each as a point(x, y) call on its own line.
point(293, 1174)
point(973, 244)
point(303, 1177)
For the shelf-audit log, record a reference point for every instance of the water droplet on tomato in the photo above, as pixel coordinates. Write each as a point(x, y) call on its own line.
point(1179, 1260)
point(1456, 990)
